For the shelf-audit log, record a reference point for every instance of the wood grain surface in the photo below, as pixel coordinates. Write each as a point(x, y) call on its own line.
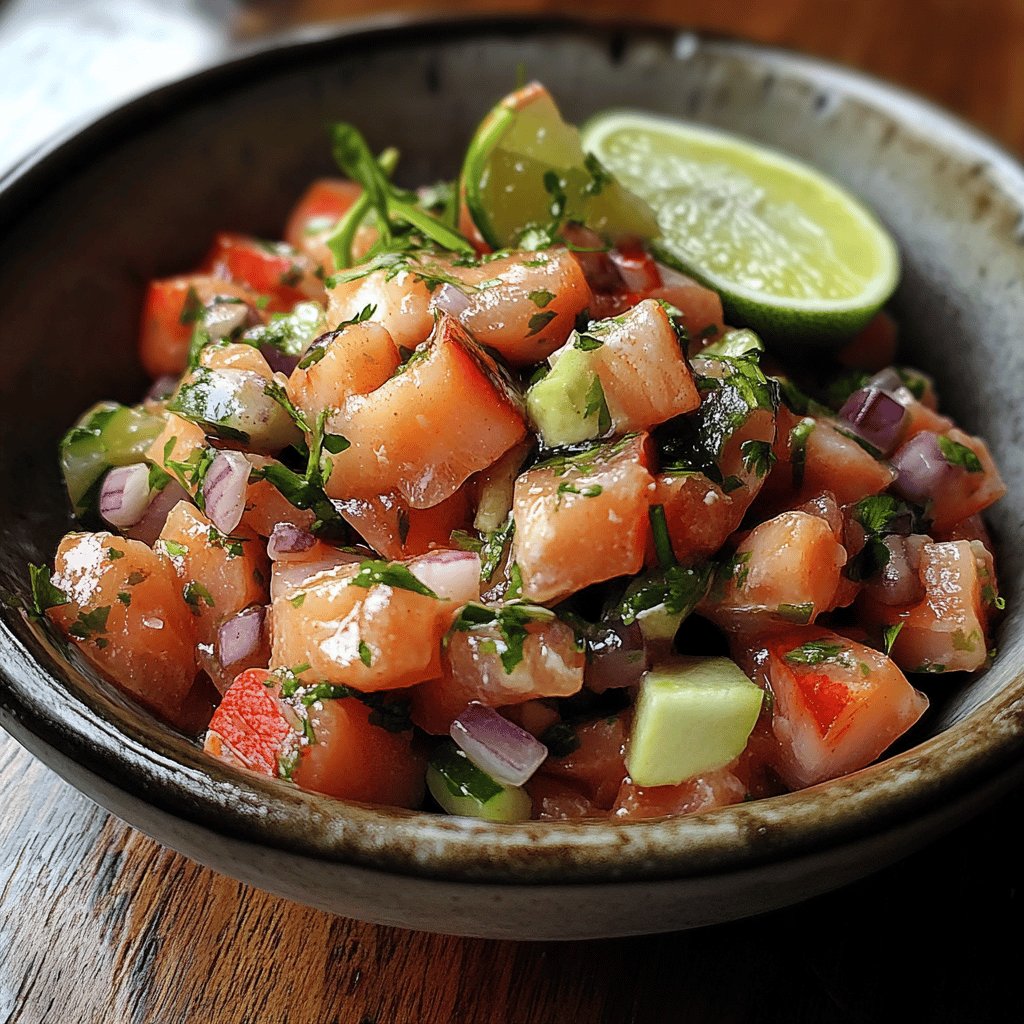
point(100, 924)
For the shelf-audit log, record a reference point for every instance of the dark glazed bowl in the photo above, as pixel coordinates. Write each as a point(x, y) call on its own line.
point(139, 194)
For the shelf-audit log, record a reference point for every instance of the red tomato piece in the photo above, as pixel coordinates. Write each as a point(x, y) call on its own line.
point(250, 727)
point(167, 319)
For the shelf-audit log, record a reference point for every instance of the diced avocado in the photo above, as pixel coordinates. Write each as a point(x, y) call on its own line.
point(107, 435)
point(693, 715)
point(566, 405)
point(462, 788)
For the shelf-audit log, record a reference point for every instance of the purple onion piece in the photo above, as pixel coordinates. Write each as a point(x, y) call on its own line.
point(876, 416)
point(451, 300)
point(124, 495)
point(148, 528)
point(616, 657)
point(279, 361)
point(239, 637)
point(163, 387)
point(508, 754)
point(288, 539)
point(921, 470)
point(886, 380)
point(224, 489)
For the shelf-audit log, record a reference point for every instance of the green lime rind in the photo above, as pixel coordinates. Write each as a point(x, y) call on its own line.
point(503, 176)
point(793, 255)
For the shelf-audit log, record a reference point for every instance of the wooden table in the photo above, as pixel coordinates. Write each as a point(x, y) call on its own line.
point(99, 923)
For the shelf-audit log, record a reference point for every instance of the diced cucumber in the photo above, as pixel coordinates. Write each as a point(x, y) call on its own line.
point(109, 434)
point(235, 405)
point(693, 715)
point(462, 788)
point(566, 405)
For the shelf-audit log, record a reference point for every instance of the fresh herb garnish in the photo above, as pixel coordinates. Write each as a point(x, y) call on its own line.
point(758, 457)
point(679, 588)
point(662, 538)
point(957, 454)
point(561, 739)
point(365, 654)
point(510, 620)
point(195, 592)
point(539, 321)
point(374, 572)
point(44, 593)
point(889, 635)
point(819, 652)
point(90, 624)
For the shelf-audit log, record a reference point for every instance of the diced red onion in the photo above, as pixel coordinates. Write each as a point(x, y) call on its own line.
point(508, 754)
point(286, 576)
point(886, 380)
point(899, 583)
point(449, 574)
point(124, 495)
point(279, 361)
point(148, 528)
point(921, 470)
point(288, 541)
point(876, 416)
point(240, 636)
point(451, 300)
point(224, 489)
point(616, 658)
point(163, 387)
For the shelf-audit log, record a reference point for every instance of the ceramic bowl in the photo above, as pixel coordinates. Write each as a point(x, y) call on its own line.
point(139, 193)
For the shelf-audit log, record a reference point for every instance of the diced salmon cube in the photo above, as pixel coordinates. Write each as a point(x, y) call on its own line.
point(448, 414)
point(786, 569)
point(947, 631)
point(643, 370)
point(359, 635)
point(356, 360)
point(838, 705)
point(583, 519)
point(126, 614)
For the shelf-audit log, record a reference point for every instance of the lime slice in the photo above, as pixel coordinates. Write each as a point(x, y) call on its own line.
point(792, 254)
point(508, 186)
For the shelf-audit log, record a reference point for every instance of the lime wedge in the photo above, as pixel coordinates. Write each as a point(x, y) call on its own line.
point(509, 188)
point(792, 254)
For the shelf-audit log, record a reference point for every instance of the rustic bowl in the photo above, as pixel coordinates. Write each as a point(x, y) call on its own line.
point(138, 194)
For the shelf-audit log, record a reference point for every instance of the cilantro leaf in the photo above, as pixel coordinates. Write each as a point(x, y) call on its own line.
point(957, 454)
point(373, 572)
point(44, 593)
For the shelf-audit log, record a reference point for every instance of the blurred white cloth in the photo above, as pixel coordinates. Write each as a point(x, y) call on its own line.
point(64, 60)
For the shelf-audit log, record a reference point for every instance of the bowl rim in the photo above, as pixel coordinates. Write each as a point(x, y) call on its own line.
point(150, 763)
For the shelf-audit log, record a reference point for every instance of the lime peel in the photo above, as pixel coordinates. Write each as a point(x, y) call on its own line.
point(792, 254)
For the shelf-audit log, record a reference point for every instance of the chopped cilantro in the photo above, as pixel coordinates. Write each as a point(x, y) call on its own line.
point(510, 620)
point(662, 538)
point(493, 549)
point(195, 592)
point(596, 403)
point(889, 635)
point(541, 297)
point(818, 652)
point(374, 572)
point(113, 554)
point(561, 739)
point(957, 454)
point(798, 613)
point(586, 342)
point(44, 593)
point(539, 321)
point(175, 549)
point(679, 588)
point(125, 598)
point(758, 457)
point(365, 654)
point(89, 624)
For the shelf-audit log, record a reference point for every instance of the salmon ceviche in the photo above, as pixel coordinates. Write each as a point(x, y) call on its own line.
point(471, 498)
